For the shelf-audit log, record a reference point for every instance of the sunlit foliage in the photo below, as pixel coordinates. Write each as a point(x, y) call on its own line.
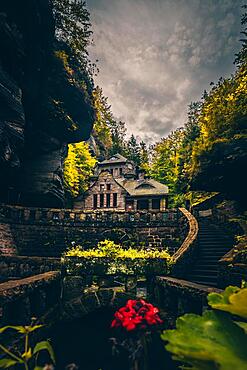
point(78, 168)
point(108, 248)
point(215, 340)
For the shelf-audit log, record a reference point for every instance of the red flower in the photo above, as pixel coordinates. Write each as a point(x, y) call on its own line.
point(136, 314)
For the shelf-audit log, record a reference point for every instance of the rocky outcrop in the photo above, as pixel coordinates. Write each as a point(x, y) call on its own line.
point(43, 105)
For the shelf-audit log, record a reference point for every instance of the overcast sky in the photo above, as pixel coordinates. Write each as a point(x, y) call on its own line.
point(156, 56)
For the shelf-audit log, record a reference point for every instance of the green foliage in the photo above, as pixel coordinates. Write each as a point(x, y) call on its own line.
point(165, 160)
point(108, 248)
point(133, 150)
point(214, 340)
point(109, 133)
point(233, 300)
point(73, 26)
point(211, 341)
point(78, 167)
point(30, 355)
point(103, 121)
point(109, 258)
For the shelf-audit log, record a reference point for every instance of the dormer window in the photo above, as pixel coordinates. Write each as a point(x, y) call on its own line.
point(145, 186)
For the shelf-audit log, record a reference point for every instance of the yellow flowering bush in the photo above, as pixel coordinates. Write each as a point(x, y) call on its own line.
point(108, 248)
point(109, 258)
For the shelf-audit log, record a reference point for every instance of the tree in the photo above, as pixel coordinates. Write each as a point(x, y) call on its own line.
point(133, 150)
point(165, 159)
point(144, 156)
point(118, 134)
point(73, 26)
point(103, 122)
point(78, 167)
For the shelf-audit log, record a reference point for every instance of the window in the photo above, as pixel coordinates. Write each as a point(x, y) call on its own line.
point(101, 200)
point(121, 171)
point(142, 204)
point(108, 187)
point(102, 187)
point(108, 200)
point(155, 203)
point(114, 199)
point(112, 171)
point(95, 200)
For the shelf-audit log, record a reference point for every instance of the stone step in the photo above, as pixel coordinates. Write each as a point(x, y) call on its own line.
point(215, 252)
point(208, 266)
point(204, 277)
point(205, 272)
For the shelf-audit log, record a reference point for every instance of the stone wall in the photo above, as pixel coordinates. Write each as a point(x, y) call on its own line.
point(19, 267)
point(48, 232)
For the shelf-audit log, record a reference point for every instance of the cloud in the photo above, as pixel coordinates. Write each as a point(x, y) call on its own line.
point(155, 57)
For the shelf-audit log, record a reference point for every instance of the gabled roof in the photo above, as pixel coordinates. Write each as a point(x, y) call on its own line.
point(143, 187)
point(116, 158)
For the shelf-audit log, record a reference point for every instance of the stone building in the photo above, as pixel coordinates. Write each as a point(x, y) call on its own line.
point(118, 185)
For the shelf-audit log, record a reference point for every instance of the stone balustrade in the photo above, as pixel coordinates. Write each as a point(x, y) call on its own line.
point(55, 216)
point(48, 232)
point(177, 296)
point(187, 251)
point(21, 300)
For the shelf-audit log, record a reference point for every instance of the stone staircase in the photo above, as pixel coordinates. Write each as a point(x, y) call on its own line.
point(213, 243)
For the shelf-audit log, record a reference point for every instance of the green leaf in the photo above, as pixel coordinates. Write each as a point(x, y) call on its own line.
point(45, 345)
point(208, 342)
point(17, 328)
point(7, 362)
point(242, 325)
point(233, 300)
point(21, 329)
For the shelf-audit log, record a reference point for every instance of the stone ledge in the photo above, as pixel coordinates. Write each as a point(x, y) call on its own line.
point(186, 285)
point(190, 238)
point(13, 290)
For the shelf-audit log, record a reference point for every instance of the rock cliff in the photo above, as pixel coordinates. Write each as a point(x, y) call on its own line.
point(43, 105)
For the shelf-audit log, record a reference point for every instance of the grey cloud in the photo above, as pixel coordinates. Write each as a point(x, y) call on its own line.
point(155, 57)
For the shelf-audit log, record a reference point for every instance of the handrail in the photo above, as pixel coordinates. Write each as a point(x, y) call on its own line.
point(190, 238)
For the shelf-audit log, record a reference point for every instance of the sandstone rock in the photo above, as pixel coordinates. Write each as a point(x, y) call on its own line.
point(42, 108)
